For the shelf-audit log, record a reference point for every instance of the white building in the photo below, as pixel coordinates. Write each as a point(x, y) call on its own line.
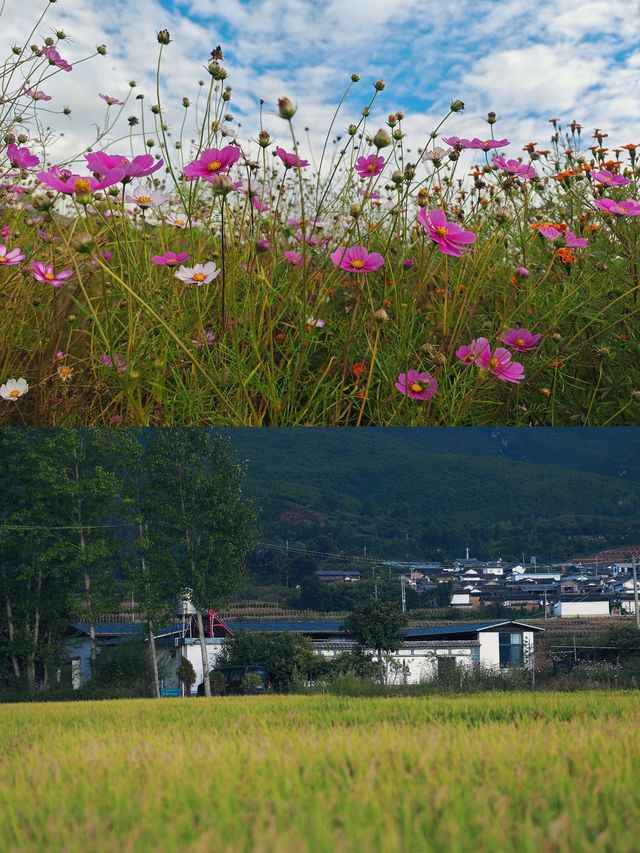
point(425, 652)
point(581, 608)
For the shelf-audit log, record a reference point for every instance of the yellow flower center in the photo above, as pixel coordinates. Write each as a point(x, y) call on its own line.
point(82, 185)
point(520, 342)
point(370, 167)
point(416, 387)
point(49, 276)
point(144, 199)
point(180, 222)
point(14, 394)
point(494, 363)
point(441, 231)
point(3, 259)
point(198, 276)
point(357, 264)
point(64, 372)
point(213, 166)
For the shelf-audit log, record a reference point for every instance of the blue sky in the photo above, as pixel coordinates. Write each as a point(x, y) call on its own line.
point(527, 62)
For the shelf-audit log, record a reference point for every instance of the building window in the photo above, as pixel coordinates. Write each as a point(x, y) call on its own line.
point(511, 649)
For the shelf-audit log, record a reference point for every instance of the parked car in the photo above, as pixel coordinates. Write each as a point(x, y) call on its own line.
point(236, 681)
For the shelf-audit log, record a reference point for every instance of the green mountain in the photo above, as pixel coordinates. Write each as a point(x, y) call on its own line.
point(420, 493)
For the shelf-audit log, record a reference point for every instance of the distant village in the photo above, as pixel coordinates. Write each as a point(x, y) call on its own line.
point(588, 586)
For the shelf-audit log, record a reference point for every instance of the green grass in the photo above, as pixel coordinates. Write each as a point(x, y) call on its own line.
point(525, 772)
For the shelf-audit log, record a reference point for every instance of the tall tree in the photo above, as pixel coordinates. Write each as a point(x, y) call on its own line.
point(376, 625)
point(152, 571)
point(80, 466)
point(200, 496)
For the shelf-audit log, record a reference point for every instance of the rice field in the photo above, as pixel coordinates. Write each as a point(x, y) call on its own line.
point(525, 772)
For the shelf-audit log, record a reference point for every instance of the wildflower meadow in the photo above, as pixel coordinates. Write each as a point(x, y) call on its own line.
point(199, 274)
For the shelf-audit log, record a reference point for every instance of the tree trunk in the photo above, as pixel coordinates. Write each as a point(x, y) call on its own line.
point(205, 657)
point(87, 578)
point(154, 661)
point(382, 678)
point(14, 660)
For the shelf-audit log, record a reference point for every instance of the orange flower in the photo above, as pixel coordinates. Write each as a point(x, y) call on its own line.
point(556, 364)
point(358, 368)
point(441, 291)
point(623, 336)
point(566, 256)
point(280, 336)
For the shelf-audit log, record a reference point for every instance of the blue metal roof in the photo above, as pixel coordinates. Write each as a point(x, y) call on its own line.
point(464, 628)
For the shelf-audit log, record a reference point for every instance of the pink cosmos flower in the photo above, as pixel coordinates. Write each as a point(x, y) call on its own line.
point(294, 259)
point(66, 182)
point(209, 339)
point(120, 363)
point(260, 205)
point(21, 158)
point(499, 363)
point(46, 274)
point(449, 236)
point(37, 95)
point(112, 102)
point(356, 259)
point(10, 258)
point(408, 263)
point(139, 167)
point(550, 232)
point(315, 323)
point(604, 176)
point(369, 167)
point(416, 385)
point(475, 143)
point(213, 161)
point(474, 352)
point(628, 207)
point(514, 167)
point(198, 274)
point(522, 272)
point(55, 59)
point(520, 339)
point(290, 160)
point(170, 259)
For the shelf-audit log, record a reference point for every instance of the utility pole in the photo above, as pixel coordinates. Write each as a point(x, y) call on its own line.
point(545, 605)
point(635, 590)
point(404, 593)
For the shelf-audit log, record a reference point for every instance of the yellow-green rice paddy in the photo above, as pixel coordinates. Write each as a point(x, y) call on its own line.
point(492, 772)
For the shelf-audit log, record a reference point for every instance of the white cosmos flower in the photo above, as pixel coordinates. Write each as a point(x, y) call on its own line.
point(13, 389)
point(198, 274)
point(145, 198)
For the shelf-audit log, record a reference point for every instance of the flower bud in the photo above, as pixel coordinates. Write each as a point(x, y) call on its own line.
point(379, 85)
point(264, 139)
point(67, 111)
point(366, 111)
point(355, 77)
point(49, 41)
point(221, 184)
point(262, 245)
point(456, 106)
point(491, 118)
point(423, 197)
point(355, 210)
point(163, 37)
point(397, 178)
point(217, 71)
point(155, 109)
point(381, 139)
point(636, 395)
point(186, 102)
point(398, 134)
point(60, 34)
point(286, 108)
point(380, 316)
point(352, 130)
point(392, 120)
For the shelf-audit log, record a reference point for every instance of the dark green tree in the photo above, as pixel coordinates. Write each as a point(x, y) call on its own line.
point(376, 625)
point(200, 498)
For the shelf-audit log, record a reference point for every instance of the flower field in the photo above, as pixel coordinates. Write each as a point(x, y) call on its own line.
point(489, 772)
point(199, 274)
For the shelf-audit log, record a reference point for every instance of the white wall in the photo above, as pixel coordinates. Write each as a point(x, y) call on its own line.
point(581, 608)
